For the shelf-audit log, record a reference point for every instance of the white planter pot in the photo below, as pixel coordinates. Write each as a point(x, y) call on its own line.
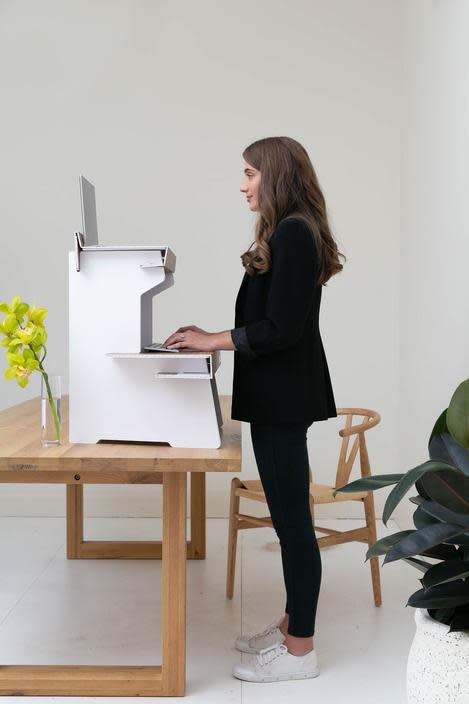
point(438, 663)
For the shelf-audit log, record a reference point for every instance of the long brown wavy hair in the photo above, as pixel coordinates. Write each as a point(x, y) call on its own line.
point(288, 188)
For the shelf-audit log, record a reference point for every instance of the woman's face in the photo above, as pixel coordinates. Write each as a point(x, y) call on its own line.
point(250, 185)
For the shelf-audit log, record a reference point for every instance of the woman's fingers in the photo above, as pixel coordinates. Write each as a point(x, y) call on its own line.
point(174, 336)
point(176, 342)
point(169, 339)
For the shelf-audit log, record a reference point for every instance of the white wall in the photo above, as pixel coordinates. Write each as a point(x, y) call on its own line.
point(155, 102)
point(434, 300)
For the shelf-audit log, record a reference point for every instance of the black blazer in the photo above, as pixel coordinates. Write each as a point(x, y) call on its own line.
point(280, 368)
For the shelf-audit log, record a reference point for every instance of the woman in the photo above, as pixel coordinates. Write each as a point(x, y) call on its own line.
point(281, 381)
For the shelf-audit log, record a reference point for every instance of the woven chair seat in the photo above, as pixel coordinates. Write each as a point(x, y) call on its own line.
point(321, 493)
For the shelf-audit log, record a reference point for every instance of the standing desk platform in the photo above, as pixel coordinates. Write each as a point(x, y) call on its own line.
point(24, 460)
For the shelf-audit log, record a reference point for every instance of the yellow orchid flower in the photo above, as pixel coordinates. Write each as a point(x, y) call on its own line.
point(16, 308)
point(39, 339)
point(37, 315)
point(15, 358)
point(20, 373)
point(27, 334)
point(15, 301)
point(10, 324)
point(21, 310)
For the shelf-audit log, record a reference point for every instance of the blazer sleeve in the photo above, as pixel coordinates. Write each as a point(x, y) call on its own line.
point(295, 269)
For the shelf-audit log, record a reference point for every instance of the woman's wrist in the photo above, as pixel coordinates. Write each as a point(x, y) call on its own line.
point(223, 340)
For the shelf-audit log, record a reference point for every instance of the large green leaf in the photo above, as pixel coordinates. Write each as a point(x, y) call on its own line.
point(384, 544)
point(420, 489)
point(457, 415)
point(460, 620)
point(449, 488)
point(433, 508)
point(441, 552)
point(460, 539)
point(420, 540)
point(442, 595)
point(371, 483)
point(447, 571)
point(444, 447)
point(439, 427)
point(419, 564)
point(408, 480)
point(444, 615)
point(422, 519)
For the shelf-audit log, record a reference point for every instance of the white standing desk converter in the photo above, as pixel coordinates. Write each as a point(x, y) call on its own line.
point(117, 390)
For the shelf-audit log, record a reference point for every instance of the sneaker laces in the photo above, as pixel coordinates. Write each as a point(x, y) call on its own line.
point(268, 630)
point(266, 655)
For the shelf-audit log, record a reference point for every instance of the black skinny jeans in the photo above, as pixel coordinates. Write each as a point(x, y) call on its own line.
point(282, 459)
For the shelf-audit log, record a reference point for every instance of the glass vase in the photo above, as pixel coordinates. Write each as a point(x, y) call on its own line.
point(51, 402)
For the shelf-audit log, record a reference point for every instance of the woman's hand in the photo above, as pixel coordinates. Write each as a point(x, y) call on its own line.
point(192, 337)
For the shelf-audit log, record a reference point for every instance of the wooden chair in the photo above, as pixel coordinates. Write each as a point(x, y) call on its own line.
point(319, 494)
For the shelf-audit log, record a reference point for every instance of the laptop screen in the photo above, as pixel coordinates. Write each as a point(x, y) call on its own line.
point(88, 212)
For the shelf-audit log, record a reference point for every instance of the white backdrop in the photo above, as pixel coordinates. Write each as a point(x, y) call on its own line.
point(434, 289)
point(154, 102)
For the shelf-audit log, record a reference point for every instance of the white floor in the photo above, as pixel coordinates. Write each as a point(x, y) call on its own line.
point(59, 611)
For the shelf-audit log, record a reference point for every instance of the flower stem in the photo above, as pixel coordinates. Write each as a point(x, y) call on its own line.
point(49, 394)
point(52, 405)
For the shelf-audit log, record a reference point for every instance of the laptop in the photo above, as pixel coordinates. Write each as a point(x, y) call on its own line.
point(88, 213)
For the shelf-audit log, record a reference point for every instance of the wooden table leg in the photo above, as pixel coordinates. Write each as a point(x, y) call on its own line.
point(167, 679)
point(80, 549)
point(174, 584)
point(196, 546)
point(74, 520)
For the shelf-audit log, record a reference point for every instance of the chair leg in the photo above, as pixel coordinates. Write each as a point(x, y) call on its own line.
point(370, 518)
point(232, 537)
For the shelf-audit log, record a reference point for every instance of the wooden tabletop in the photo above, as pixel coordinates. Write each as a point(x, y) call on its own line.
point(21, 449)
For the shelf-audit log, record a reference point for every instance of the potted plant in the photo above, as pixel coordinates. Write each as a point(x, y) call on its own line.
point(26, 351)
point(438, 663)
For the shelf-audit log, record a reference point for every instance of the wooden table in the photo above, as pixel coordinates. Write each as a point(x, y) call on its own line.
point(24, 460)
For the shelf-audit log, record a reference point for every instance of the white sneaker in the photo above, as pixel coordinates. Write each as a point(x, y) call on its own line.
point(265, 639)
point(276, 663)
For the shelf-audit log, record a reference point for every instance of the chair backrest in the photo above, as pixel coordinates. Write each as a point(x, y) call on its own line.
point(346, 457)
